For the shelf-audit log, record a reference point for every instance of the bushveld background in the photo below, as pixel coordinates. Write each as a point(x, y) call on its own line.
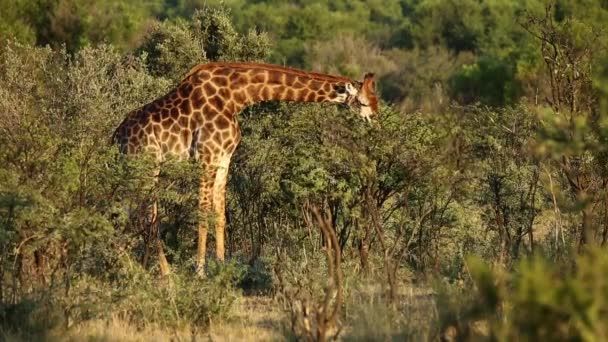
point(478, 210)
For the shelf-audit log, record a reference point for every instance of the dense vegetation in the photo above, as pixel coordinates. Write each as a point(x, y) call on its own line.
point(483, 190)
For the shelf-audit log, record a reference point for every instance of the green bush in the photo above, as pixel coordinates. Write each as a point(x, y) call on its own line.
point(539, 301)
point(71, 205)
point(489, 81)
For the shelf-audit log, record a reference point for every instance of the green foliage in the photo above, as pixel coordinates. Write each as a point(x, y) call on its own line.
point(171, 50)
point(182, 299)
point(539, 301)
point(13, 25)
point(221, 41)
point(488, 81)
point(70, 205)
point(76, 23)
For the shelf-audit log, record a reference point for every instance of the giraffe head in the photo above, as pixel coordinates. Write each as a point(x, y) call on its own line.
point(362, 98)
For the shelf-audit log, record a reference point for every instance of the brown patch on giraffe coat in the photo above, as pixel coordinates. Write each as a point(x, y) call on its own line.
point(175, 128)
point(157, 129)
point(230, 108)
point(197, 117)
point(275, 78)
point(289, 94)
point(192, 123)
point(237, 80)
point(217, 138)
point(172, 141)
point(315, 85)
point(167, 124)
point(134, 140)
point(204, 76)
point(298, 84)
point(208, 113)
point(184, 108)
point(301, 95)
point(220, 81)
point(164, 148)
point(258, 77)
point(326, 87)
point(208, 128)
point(209, 89)
point(231, 146)
point(197, 98)
point(185, 137)
point(207, 158)
point(266, 94)
point(135, 131)
point(224, 93)
point(235, 129)
point(185, 89)
point(223, 72)
point(183, 121)
point(239, 97)
point(216, 102)
point(227, 143)
point(206, 150)
point(222, 123)
point(254, 92)
point(311, 97)
point(156, 106)
point(165, 135)
point(174, 113)
point(290, 79)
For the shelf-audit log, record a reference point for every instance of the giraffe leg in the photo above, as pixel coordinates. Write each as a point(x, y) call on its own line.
point(147, 232)
point(205, 206)
point(219, 206)
point(155, 241)
point(152, 240)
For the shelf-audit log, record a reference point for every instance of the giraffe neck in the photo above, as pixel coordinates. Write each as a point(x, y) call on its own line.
point(230, 87)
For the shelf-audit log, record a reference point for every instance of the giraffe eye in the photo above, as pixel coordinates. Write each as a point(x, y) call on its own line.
point(340, 89)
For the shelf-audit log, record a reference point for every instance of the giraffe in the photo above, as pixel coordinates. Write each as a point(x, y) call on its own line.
point(198, 119)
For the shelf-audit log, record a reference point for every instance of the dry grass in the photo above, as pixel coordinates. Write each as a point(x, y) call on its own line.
point(366, 316)
point(254, 319)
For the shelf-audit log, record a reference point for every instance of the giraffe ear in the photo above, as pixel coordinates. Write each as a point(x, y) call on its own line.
point(368, 81)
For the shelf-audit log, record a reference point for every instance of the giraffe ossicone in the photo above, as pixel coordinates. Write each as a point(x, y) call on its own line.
point(198, 119)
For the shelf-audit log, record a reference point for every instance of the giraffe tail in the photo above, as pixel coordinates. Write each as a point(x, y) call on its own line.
point(114, 138)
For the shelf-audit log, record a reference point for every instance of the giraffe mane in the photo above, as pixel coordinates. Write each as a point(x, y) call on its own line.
point(268, 67)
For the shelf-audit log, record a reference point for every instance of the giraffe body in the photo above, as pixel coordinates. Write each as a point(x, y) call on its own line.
point(198, 119)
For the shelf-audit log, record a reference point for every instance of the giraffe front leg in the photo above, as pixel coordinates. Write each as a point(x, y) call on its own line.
point(205, 207)
point(219, 207)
